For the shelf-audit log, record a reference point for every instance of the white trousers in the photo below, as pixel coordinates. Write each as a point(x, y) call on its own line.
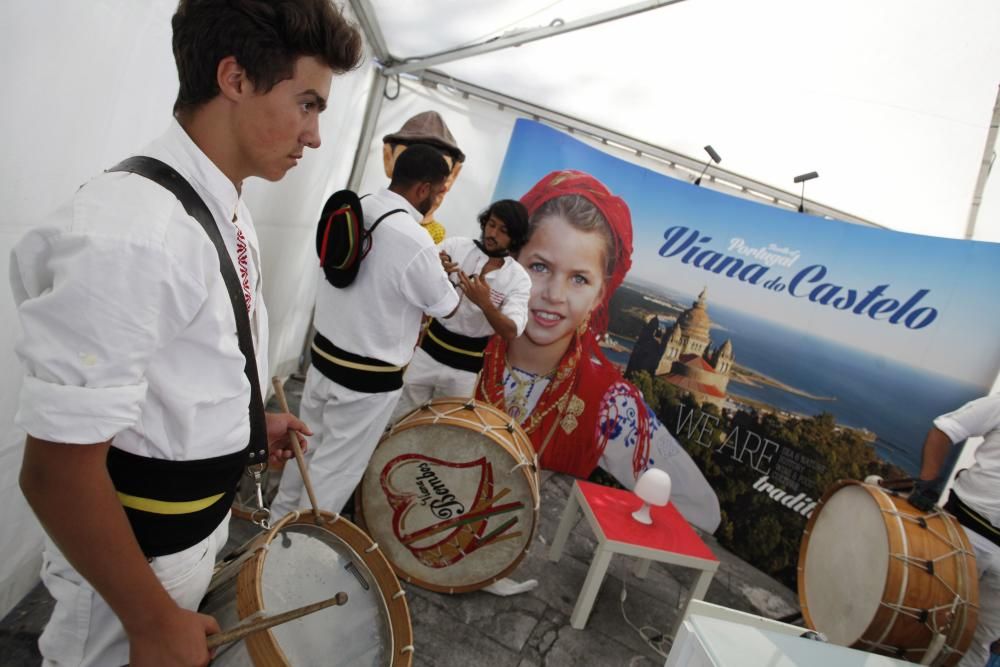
point(347, 425)
point(988, 629)
point(427, 378)
point(83, 631)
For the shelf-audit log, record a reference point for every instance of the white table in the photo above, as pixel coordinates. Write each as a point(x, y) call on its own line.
point(669, 539)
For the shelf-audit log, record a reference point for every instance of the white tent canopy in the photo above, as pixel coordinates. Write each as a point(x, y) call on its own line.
point(891, 102)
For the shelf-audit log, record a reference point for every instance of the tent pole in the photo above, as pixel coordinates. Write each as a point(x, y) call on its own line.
point(368, 20)
point(720, 177)
point(525, 36)
point(372, 109)
point(989, 154)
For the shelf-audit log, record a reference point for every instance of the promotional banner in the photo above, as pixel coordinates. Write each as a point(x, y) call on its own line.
point(782, 350)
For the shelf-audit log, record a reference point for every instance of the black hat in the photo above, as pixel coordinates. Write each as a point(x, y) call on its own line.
point(341, 237)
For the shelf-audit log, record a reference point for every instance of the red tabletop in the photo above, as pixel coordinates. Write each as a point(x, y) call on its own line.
point(668, 532)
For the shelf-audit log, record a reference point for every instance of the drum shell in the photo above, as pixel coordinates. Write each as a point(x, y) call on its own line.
point(913, 538)
point(478, 419)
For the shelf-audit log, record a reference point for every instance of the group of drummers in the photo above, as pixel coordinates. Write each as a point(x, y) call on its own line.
point(144, 340)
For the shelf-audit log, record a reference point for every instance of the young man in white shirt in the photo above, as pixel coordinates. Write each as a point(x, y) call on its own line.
point(495, 301)
point(135, 390)
point(974, 501)
point(366, 332)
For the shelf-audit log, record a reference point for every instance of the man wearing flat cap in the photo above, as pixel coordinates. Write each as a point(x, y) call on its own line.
point(425, 128)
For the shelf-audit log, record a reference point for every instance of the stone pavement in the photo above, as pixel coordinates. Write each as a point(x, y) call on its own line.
point(527, 630)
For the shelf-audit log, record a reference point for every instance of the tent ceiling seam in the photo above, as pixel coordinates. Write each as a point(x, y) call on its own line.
point(557, 27)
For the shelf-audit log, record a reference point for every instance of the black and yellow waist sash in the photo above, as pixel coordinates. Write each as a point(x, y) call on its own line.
point(464, 353)
point(353, 371)
point(173, 505)
point(972, 519)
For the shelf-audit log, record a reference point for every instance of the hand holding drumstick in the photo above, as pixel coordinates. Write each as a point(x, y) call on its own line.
point(293, 437)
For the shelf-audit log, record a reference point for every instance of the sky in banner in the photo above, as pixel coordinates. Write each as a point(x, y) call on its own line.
point(925, 301)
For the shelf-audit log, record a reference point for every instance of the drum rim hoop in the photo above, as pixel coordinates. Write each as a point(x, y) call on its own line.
point(264, 646)
point(519, 438)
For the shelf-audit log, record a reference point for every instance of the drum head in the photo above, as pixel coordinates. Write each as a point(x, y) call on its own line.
point(452, 502)
point(303, 562)
point(304, 565)
point(846, 562)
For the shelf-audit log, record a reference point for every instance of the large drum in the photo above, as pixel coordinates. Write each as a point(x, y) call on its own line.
point(304, 560)
point(451, 495)
point(877, 574)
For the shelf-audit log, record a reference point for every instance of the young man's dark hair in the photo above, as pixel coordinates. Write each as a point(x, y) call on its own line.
point(265, 36)
point(514, 217)
point(419, 163)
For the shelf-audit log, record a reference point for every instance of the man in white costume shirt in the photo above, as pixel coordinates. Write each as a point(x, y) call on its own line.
point(136, 390)
point(494, 301)
point(974, 501)
point(366, 332)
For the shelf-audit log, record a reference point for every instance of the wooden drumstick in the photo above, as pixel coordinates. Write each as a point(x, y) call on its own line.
point(279, 392)
point(241, 631)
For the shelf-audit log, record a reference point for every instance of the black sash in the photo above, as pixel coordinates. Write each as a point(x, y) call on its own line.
point(365, 374)
point(464, 353)
point(160, 496)
point(173, 505)
point(972, 519)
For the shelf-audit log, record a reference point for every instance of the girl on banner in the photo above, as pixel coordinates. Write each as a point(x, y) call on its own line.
point(576, 407)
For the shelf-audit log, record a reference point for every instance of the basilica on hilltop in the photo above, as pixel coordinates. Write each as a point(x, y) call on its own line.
point(683, 354)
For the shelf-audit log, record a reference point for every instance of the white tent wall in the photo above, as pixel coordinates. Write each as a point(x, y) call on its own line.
point(91, 83)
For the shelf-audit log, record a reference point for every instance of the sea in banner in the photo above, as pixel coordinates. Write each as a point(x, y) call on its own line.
point(863, 394)
point(783, 351)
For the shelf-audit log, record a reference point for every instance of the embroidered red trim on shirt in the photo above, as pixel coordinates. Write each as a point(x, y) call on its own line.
point(244, 264)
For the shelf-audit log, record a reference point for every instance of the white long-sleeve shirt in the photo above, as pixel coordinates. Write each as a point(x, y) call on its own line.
point(127, 330)
point(510, 289)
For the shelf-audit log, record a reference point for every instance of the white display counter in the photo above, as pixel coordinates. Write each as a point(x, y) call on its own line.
point(702, 641)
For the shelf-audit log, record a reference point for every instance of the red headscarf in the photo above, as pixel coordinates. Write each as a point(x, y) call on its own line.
point(579, 387)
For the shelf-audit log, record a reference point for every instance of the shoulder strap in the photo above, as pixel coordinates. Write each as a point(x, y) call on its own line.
point(166, 176)
point(367, 238)
point(383, 217)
